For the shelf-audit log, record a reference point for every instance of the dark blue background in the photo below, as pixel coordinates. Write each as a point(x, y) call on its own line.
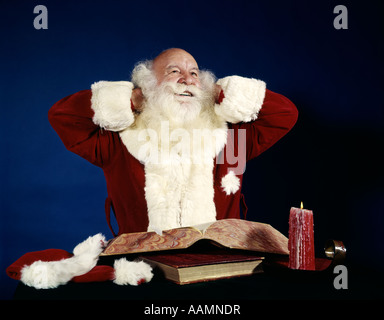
point(332, 160)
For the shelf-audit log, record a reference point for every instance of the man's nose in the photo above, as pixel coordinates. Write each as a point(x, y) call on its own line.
point(186, 79)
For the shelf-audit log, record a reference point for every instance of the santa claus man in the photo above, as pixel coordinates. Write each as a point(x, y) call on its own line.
point(173, 144)
point(173, 141)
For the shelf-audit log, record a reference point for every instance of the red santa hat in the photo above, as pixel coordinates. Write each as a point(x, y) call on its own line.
point(51, 268)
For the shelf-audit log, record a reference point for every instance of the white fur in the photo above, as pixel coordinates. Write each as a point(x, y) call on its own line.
point(230, 183)
point(177, 140)
point(51, 274)
point(243, 99)
point(111, 102)
point(131, 272)
point(178, 185)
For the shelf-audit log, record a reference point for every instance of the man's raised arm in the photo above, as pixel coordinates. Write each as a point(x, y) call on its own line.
point(87, 121)
point(265, 115)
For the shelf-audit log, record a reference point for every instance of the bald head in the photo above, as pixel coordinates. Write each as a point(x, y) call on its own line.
point(176, 65)
point(171, 53)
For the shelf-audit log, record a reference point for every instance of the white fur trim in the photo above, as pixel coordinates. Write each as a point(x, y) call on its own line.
point(178, 195)
point(51, 274)
point(230, 183)
point(111, 102)
point(131, 272)
point(178, 186)
point(243, 99)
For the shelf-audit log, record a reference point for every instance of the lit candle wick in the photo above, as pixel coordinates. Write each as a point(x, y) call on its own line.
point(301, 205)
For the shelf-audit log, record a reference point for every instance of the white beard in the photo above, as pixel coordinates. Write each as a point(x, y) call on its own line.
point(178, 185)
point(168, 102)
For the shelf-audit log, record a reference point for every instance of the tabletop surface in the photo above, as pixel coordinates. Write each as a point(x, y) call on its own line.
point(270, 285)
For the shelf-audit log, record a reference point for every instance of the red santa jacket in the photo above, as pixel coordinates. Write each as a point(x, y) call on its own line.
point(100, 126)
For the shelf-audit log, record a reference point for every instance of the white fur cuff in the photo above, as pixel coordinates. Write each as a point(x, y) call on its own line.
point(111, 102)
point(132, 272)
point(243, 99)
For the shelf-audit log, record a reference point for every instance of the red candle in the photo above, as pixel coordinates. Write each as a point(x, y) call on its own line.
point(300, 241)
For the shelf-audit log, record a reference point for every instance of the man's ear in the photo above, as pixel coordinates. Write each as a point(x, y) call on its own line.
point(137, 99)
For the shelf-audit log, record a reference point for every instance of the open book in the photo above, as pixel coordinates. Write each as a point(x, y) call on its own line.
point(230, 233)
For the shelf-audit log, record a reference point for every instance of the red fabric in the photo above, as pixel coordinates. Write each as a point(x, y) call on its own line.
point(97, 274)
point(14, 270)
point(71, 118)
point(221, 97)
point(132, 107)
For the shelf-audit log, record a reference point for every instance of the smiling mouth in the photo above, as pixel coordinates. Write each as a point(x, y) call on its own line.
point(185, 94)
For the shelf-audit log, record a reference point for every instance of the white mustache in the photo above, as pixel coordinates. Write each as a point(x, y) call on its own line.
point(180, 89)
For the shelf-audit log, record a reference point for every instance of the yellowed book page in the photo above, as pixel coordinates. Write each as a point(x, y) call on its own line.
point(151, 241)
point(247, 235)
point(231, 233)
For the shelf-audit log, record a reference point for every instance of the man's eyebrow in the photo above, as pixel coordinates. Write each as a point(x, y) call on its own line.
point(172, 66)
point(176, 66)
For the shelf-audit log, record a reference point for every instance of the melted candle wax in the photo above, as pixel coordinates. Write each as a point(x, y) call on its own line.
point(301, 240)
